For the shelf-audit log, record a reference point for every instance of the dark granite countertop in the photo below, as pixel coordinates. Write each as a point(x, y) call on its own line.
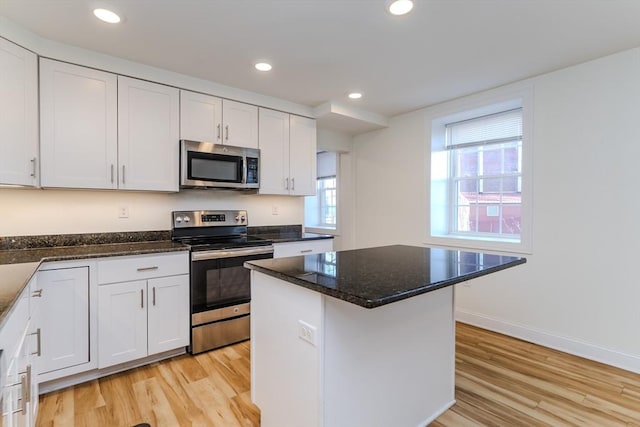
point(284, 233)
point(19, 260)
point(374, 277)
point(67, 253)
point(292, 237)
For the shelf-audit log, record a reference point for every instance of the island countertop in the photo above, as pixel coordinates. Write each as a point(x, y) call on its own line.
point(373, 277)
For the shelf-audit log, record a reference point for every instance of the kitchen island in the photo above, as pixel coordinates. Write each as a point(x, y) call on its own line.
point(358, 338)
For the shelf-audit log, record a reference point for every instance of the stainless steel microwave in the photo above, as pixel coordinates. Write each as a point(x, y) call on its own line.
point(207, 165)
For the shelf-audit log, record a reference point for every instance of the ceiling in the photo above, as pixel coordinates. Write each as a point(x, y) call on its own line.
point(322, 49)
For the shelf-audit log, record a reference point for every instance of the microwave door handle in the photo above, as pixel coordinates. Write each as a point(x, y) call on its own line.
point(244, 170)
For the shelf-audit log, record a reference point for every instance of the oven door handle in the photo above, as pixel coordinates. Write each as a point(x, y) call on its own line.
point(230, 253)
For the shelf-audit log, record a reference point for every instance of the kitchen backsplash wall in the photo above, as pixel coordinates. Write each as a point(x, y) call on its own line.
point(29, 212)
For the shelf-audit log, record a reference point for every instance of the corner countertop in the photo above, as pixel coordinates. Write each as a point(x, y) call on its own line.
point(373, 277)
point(18, 263)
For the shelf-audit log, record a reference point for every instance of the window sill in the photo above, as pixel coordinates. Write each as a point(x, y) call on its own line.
point(479, 244)
point(321, 230)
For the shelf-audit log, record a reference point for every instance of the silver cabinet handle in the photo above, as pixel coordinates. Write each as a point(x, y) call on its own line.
point(306, 251)
point(38, 334)
point(286, 185)
point(33, 167)
point(226, 128)
point(219, 125)
point(123, 174)
point(141, 298)
point(37, 293)
point(24, 391)
point(154, 295)
point(155, 267)
point(293, 183)
point(112, 173)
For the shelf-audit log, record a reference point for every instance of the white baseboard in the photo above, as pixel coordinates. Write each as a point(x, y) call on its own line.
point(82, 377)
point(568, 345)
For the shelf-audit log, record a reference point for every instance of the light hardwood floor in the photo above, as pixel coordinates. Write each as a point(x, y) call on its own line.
point(500, 381)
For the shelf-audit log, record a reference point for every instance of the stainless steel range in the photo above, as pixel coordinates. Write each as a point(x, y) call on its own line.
point(220, 285)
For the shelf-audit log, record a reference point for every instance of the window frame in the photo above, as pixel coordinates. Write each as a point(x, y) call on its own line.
point(439, 203)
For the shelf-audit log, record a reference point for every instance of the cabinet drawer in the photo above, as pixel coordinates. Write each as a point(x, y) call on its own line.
point(122, 269)
point(306, 247)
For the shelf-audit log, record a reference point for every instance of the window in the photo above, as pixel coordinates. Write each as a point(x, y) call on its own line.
point(326, 194)
point(321, 210)
point(479, 184)
point(486, 174)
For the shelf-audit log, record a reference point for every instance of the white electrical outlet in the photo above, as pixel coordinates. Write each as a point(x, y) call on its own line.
point(123, 212)
point(307, 332)
point(274, 210)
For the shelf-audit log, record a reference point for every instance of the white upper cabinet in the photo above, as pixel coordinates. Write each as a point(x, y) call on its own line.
point(78, 126)
point(287, 154)
point(103, 131)
point(148, 135)
point(200, 117)
point(18, 115)
point(274, 152)
point(302, 156)
point(240, 124)
point(207, 118)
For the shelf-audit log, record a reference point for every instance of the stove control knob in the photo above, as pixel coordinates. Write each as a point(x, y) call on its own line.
point(186, 219)
point(178, 219)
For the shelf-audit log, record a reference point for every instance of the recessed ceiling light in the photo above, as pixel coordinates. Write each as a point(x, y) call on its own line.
point(106, 16)
point(400, 7)
point(263, 66)
point(355, 95)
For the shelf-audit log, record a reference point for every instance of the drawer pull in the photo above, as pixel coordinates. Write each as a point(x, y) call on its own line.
point(306, 251)
point(37, 293)
point(148, 268)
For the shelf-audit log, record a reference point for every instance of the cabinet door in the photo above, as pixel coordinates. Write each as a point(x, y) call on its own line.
point(302, 156)
point(122, 323)
point(168, 318)
point(240, 124)
point(63, 318)
point(274, 152)
point(200, 117)
point(18, 115)
point(148, 136)
point(78, 126)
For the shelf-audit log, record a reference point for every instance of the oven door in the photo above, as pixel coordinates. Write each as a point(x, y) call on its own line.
point(219, 279)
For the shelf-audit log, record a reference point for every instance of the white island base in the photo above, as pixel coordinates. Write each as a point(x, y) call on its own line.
point(388, 366)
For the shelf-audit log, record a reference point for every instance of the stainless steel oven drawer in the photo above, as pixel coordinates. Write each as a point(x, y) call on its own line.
point(219, 314)
point(219, 334)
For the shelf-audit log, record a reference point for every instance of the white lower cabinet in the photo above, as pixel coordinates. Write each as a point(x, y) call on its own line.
point(18, 364)
point(140, 318)
point(304, 247)
point(64, 318)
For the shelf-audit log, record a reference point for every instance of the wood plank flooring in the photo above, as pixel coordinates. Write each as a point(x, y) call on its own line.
point(500, 381)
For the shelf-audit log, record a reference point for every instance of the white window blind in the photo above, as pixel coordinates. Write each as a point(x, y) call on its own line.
point(490, 129)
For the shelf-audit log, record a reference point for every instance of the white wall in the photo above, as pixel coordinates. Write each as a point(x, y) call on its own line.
point(33, 212)
point(579, 290)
